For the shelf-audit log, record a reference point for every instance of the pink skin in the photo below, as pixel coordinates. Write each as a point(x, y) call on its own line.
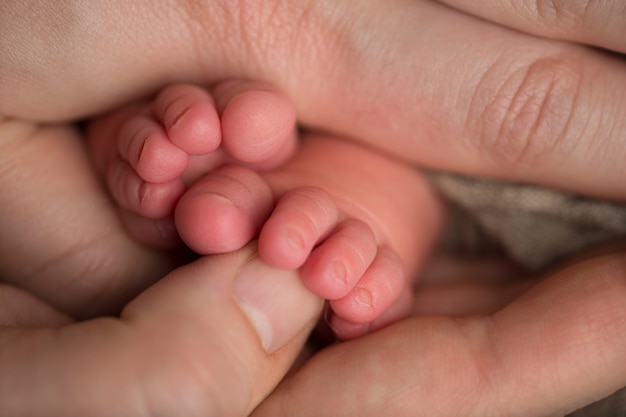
point(331, 212)
point(309, 213)
point(165, 144)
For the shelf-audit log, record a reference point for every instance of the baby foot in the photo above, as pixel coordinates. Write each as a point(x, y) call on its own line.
point(345, 215)
point(149, 152)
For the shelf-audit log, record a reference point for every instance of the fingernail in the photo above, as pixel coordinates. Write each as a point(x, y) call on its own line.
point(275, 301)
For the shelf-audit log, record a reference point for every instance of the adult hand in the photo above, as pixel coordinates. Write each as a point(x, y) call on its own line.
point(185, 346)
point(415, 78)
point(558, 347)
point(596, 23)
point(61, 237)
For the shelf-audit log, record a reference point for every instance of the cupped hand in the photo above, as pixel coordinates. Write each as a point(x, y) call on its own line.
point(185, 346)
point(415, 78)
point(548, 352)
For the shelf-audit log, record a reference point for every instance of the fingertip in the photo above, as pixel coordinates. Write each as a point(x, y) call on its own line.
point(276, 303)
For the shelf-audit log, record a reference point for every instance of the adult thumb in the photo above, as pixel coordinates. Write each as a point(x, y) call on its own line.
point(241, 322)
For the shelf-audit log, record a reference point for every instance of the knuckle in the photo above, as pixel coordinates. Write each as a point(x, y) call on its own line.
point(529, 115)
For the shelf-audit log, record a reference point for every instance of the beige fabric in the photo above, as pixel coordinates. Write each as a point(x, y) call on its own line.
point(536, 227)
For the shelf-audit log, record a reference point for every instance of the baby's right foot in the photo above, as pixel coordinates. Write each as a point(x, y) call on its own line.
point(355, 222)
point(150, 152)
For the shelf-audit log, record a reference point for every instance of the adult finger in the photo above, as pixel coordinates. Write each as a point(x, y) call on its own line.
point(557, 348)
point(19, 308)
point(599, 23)
point(468, 285)
point(60, 230)
point(186, 346)
point(417, 79)
point(477, 98)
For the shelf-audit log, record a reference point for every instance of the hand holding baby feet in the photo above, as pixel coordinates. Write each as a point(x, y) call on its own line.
point(355, 222)
point(149, 152)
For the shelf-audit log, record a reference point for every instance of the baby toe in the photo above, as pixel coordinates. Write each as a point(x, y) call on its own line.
point(376, 291)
